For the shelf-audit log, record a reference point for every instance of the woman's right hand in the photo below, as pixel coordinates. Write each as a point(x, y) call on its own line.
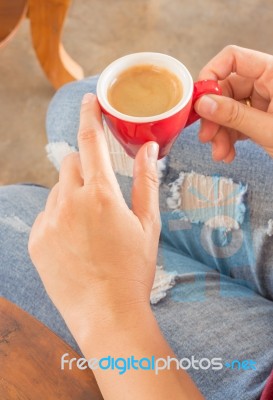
point(242, 73)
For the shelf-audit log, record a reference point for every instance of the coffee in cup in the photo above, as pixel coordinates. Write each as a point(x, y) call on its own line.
point(145, 90)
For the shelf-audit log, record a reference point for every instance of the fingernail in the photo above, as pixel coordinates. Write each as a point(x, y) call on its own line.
point(207, 105)
point(87, 98)
point(152, 151)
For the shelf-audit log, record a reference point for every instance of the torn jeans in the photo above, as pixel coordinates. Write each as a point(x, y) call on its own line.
point(221, 254)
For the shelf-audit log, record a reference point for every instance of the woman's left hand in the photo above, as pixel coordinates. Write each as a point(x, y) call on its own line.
point(95, 256)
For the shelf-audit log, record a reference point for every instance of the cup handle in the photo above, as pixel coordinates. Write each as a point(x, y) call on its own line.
point(200, 88)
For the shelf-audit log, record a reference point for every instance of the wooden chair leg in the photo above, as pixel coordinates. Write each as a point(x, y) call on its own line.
point(46, 20)
point(11, 15)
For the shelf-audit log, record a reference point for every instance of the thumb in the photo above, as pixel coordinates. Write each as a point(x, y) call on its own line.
point(256, 124)
point(145, 202)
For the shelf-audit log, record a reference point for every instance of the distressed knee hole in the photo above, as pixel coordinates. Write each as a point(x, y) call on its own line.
point(216, 201)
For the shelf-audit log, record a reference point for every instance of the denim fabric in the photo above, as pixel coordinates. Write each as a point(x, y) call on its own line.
point(19, 281)
point(220, 306)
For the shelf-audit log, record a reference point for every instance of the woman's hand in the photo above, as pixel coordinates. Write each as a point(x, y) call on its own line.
point(94, 255)
point(242, 73)
point(97, 261)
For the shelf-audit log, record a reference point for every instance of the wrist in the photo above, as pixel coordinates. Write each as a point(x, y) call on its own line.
point(105, 313)
point(110, 325)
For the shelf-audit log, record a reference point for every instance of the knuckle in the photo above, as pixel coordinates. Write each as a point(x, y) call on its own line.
point(231, 47)
point(100, 188)
point(261, 85)
point(151, 179)
point(69, 158)
point(153, 182)
point(236, 114)
point(105, 199)
point(89, 134)
point(101, 193)
point(99, 179)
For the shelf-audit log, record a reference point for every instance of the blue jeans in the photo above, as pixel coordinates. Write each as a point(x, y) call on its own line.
point(221, 305)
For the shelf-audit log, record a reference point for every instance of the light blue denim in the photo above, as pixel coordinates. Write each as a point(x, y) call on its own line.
point(219, 307)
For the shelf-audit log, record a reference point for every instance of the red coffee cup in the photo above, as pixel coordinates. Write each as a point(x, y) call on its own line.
point(133, 132)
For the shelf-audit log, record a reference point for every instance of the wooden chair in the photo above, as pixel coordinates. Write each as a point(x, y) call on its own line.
point(30, 357)
point(46, 21)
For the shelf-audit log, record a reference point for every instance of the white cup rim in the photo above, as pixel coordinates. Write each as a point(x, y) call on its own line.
point(159, 59)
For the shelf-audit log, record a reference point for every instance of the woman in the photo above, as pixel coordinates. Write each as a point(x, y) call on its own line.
point(97, 258)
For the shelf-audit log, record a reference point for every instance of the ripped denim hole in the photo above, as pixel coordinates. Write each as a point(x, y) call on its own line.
point(213, 200)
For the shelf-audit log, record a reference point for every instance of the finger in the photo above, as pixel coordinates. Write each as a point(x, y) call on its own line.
point(258, 101)
point(207, 131)
point(52, 198)
point(70, 176)
point(237, 87)
point(221, 145)
point(256, 124)
point(245, 62)
point(240, 88)
point(94, 154)
point(145, 202)
point(231, 155)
